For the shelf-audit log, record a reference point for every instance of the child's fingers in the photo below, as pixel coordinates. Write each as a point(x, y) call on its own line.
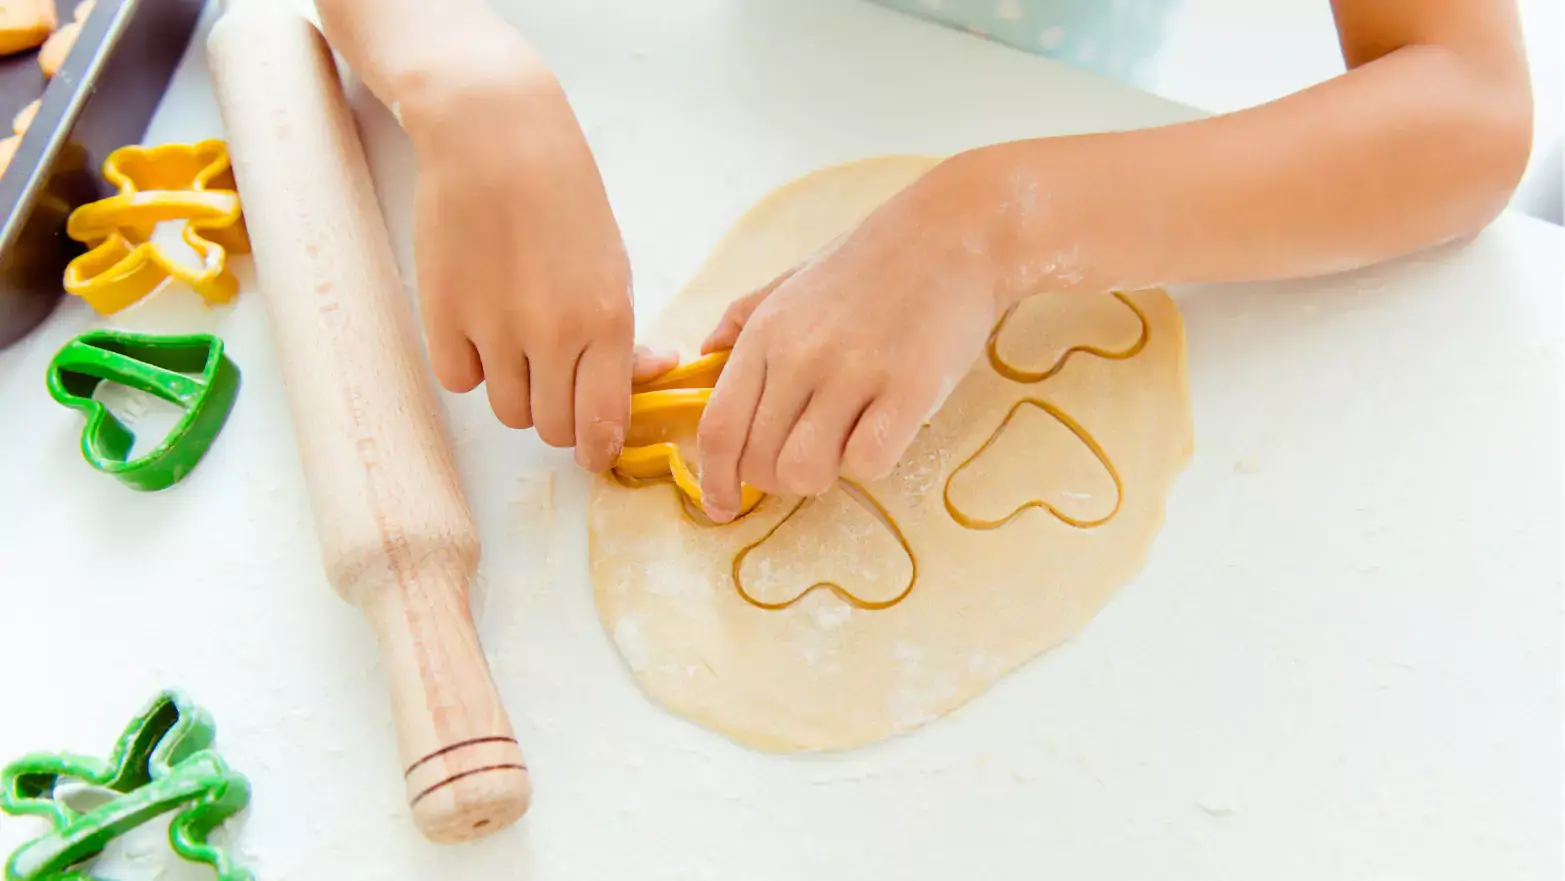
point(881, 436)
point(454, 360)
point(506, 381)
point(553, 376)
point(729, 326)
point(783, 400)
point(737, 315)
point(647, 363)
point(811, 460)
point(452, 356)
point(602, 405)
point(724, 429)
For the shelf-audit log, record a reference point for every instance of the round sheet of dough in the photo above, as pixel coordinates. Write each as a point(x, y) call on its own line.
point(1030, 497)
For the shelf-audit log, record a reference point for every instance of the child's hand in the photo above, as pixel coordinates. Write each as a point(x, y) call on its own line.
point(523, 277)
point(841, 361)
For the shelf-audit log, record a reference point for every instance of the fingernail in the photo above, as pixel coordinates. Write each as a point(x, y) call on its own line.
point(608, 439)
point(714, 511)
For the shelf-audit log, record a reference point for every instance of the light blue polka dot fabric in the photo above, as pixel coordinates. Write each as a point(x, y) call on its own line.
point(1115, 38)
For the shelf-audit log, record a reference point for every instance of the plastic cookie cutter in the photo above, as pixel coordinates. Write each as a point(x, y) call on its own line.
point(188, 183)
point(163, 762)
point(191, 372)
point(662, 408)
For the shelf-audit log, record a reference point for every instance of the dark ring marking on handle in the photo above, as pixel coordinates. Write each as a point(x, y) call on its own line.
point(455, 777)
point(477, 741)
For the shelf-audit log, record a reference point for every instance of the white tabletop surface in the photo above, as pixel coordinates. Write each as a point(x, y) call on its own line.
point(1342, 661)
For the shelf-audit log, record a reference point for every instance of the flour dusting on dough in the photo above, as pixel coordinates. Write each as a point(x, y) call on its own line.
point(817, 647)
point(676, 577)
point(920, 473)
point(921, 691)
point(819, 640)
point(985, 663)
point(829, 615)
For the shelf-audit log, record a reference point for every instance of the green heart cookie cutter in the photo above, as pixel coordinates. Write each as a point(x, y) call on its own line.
point(163, 762)
point(189, 371)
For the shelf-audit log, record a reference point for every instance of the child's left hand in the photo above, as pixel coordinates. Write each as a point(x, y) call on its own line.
point(843, 359)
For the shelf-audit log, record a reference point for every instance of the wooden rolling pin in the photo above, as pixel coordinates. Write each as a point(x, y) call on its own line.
point(397, 537)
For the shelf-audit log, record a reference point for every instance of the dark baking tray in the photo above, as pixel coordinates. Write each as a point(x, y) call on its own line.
point(101, 99)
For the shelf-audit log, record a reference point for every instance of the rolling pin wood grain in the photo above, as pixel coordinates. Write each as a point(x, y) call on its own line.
point(397, 536)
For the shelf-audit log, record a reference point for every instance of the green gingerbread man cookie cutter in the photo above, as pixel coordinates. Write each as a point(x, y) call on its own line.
point(163, 762)
point(189, 371)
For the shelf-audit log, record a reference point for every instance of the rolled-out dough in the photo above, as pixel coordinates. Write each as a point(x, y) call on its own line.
point(1028, 499)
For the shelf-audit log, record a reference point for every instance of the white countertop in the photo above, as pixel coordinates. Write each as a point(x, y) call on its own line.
point(1343, 660)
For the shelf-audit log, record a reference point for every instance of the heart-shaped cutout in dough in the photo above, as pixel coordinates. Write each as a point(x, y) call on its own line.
point(1117, 330)
point(1039, 457)
point(843, 541)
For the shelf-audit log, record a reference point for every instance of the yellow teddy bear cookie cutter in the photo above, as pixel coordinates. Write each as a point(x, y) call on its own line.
point(662, 406)
point(189, 183)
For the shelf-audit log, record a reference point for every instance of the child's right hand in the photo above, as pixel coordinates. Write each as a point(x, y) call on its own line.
point(523, 278)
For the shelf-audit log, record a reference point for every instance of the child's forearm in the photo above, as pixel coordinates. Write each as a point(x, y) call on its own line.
point(405, 50)
point(1414, 149)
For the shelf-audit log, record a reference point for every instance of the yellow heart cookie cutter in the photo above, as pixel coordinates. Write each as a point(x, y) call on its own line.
point(193, 183)
point(658, 407)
